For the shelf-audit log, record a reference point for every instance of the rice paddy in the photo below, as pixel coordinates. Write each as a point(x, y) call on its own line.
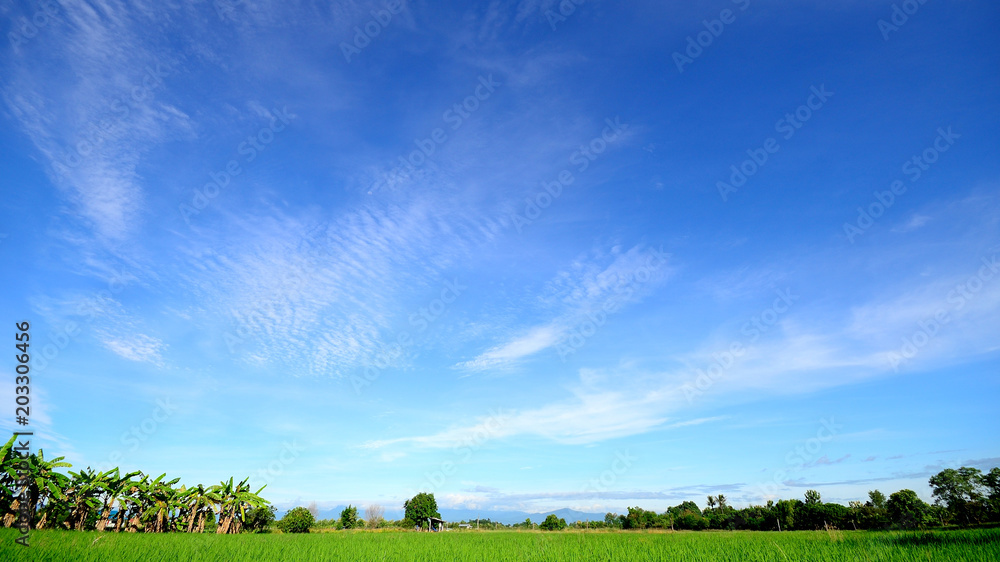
point(952, 545)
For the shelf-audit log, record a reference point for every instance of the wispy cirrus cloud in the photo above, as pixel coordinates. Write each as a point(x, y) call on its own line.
point(606, 280)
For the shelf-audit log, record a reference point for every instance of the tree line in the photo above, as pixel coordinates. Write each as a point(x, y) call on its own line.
point(136, 502)
point(31, 486)
point(964, 496)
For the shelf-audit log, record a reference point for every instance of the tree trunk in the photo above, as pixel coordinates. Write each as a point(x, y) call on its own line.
point(102, 522)
point(11, 518)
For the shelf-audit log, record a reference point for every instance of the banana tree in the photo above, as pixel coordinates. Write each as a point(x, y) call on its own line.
point(199, 500)
point(44, 484)
point(116, 488)
point(235, 501)
point(131, 505)
point(84, 495)
point(163, 502)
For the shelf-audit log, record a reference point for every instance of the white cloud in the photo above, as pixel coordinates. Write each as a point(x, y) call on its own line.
point(585, 287)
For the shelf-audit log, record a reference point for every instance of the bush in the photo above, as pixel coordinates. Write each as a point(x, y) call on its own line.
point(259, 520)
point(297, 520)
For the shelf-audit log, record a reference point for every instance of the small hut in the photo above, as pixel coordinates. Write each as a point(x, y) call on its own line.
point(434, 524)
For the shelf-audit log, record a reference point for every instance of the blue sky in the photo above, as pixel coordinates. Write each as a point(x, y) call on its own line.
point(520, 259)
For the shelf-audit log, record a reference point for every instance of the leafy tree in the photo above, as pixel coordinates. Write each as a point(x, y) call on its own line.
point(785, 513)
point(611, 519)
point(877, 499)
point(639, 518)
point(420, 507)
point(960, 490)
point(812, 497)
point(349, 517)
point(991, 481)
point(906, 510)
point(552, 523)
point(297, 520)
point(260, 519)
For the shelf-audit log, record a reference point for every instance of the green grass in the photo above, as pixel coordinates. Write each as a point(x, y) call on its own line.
point(977, 544)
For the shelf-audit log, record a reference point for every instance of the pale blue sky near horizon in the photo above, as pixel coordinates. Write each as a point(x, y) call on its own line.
point(631, 254)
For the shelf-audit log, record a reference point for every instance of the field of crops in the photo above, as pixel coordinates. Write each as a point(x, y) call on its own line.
point(980, 545)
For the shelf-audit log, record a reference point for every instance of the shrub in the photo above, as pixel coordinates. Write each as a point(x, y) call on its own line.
point(297, 520)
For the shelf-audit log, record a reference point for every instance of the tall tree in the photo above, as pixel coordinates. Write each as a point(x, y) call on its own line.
point(349, 517)
point(812, 497)
point(373, 514)
point(116, 486)
point(199, 501)
point(877, 499)
point(906, 510)
point(960, 490)
point(420, 507)
point(235, 500)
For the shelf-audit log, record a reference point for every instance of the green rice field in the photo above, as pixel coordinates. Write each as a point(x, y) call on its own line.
point(952, 545)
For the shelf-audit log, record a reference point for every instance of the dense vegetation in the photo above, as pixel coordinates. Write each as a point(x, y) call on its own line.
point(133, 502)
point(964, 496)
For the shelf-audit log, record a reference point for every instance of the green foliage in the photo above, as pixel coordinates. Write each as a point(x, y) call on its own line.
point(297, 520)
point(812, 497)
point(349, 518)
point(260, 519)
point(611, 520)
point(906, 510)
point(552, 523)
point(877, 499)
point(639, 518)
point(969, 495)
point(420, 507)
